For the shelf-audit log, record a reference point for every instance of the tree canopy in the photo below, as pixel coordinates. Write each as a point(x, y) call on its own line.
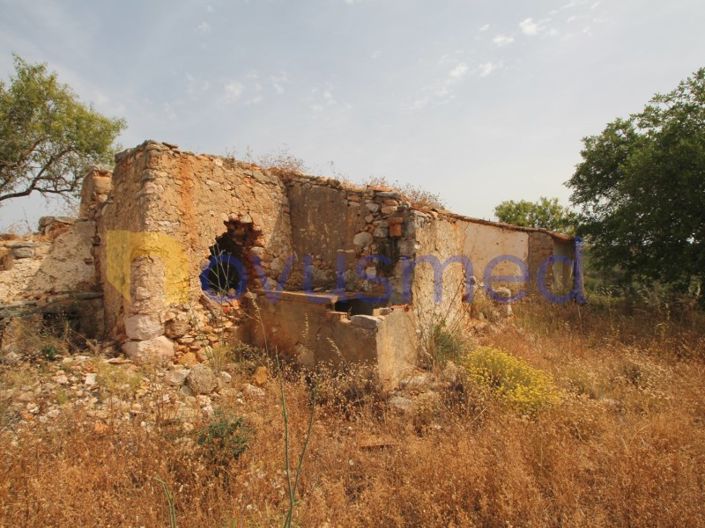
point(546, 213)
point(641, 189)
point(48, 138)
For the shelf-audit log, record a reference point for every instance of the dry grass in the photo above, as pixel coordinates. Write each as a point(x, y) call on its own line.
point(625, 447)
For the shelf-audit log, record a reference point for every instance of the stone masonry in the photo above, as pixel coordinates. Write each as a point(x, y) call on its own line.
point(336, 272)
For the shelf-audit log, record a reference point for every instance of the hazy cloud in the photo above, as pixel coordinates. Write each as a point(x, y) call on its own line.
point(529, 27)
point(233, 91)
point(459, 71)
point(485, 69)
point(278, 81)
point(503, 40)
point(442, 91)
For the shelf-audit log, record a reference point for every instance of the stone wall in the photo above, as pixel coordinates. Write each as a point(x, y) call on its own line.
point(165, 212)
point(123, 213)
point(353, 236)
point(558, 277)
point(306, 326)
point(57, 259)
point(167, 207)
point(453, 255)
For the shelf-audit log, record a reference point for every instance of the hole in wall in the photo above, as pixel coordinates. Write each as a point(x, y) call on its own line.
point(357, 306)
point(229, 264)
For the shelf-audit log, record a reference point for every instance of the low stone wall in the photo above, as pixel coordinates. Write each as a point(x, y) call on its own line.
point(306, 327)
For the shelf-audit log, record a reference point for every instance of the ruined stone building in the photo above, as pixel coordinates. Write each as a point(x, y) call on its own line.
point(321, 270)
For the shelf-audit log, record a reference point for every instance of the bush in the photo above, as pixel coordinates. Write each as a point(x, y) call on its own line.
point(224, 439)
point(445, 345)
point(521, 386)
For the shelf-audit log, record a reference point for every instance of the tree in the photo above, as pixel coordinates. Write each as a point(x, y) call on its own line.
point(641, 190)
point(48, 138)
point(545, 213)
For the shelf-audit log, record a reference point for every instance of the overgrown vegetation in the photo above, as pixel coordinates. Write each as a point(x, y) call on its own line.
point(445, 344)
point(418, 196)
point(626, 438)
point(224, 438)
point(521, 386)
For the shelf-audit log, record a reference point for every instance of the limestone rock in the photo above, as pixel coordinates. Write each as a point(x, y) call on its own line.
point(500, 294)
point(23, 252)
point(157, 350)
point(451, 372)
point(363, 239)
point(143, 327)
point(202, 380)
point(401, 403)
point(177, 376)
point(381, 232)
point(417, 381)
point(365, 321)
point(251, 390)
point(176, 328)
point(90, 379)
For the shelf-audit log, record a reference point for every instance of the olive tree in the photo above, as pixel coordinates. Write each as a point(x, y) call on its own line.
point(48, 138)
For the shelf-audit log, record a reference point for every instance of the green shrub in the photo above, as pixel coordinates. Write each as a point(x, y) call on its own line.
point(49, 352)
point(224, 439)
point(444, 345)
point(521, 386)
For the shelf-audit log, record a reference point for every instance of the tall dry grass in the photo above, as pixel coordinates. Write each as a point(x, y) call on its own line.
point(625, 447)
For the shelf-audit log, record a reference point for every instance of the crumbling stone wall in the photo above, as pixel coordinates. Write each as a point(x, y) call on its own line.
point(175, 204)
point(558, 277)
point(144, 237)
point(353, 236)
point(491, 248)
point(57, 259)
point(306, 326)
point(167, 207)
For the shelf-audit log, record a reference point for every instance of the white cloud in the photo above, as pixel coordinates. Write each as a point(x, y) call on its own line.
point(233, 91)
point(210, 9)
point(255, 88)
point(573, 3)
point(485, 27)
point(442, 91)
point(503, 40)
point(278, 81)
point(323, 98)
point(459, 71)
point(529, 27)
point(203, 28)
point(485, 69)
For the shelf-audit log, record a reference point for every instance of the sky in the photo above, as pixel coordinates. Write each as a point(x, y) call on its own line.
point(477, 101)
